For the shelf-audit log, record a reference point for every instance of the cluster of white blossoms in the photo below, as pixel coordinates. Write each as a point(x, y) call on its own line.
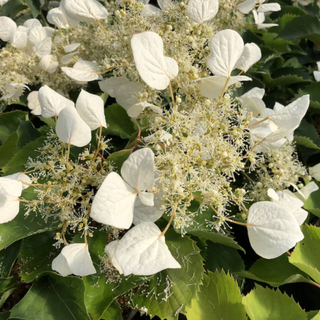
point(173, 71)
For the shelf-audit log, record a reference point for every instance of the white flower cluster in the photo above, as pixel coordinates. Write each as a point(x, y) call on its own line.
point(198, 143)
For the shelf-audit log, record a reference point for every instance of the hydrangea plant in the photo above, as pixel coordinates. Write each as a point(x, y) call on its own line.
point(120, 201)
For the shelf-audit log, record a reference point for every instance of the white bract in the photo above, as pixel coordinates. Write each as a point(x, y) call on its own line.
point(272, 229)
point(127, 95)
point(33, 103)
point(200, 11)
point(9, 205)
point(84, 10)
point(72, 129)
point(52, 102)
point(304, 193)
point(317, 73)
point(142, 251)
point(74, 259)
point(259, 18)
point(57, 17)
point(226, 48)
point(155, 69)
point(115, 199)
point(315, 172)
point(7, 28)
point(83, 71)
point(143, 213)
point(288, 200)
point(252, 102)
point(49, 63)
point(91, 110)
point(272, 128)
point(248, 5)
point(250, 55)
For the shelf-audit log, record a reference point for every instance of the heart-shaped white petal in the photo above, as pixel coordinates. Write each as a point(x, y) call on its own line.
point(84, 10)
point(250, 55)
point(11, 186)
point(291, 116)
point(71, 47)
point(272, 229)
point(113, 203)
point(49, 63)
point(135, 110)
point(315, 172)
point(200, 11)
point(143, 213)
point(37, 34)
point(52, 102)
point(72, 129)
point(60, 264)
point(259, 18)
point(269, 7)
point(91, 109)
point(112, 85)
point(43, 48)
point(19, 176)
point(246, 6)
point(57, 17)
point(138, 169)
point(68, 57)
point(31, 23)
point(83, 71)
point(305, 192)
point(7, 28)
point(150, 61)
point(20, 39)
point(289, 201)
point(226, 47)
point(211, 87)
point(143, 251)
point(77, 260)
point(9, 205)
point(110, 250)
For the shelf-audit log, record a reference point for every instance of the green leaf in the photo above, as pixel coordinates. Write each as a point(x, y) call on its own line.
point(219, 298)
point(8, 149)
point(27, 133)
point(35, 7)
point(312, 204)
point(283, 80)
point(302, 27)
point(313, 315)
point(307, 135)
point(306, 253)
point(17, 163)
point(314, 91)
point(306, 142)
point(8, 258)
point(12, 8)
point(220, 257)
point(36, 255)
point(170, 291)
point(10, 122)
point(201, 229)
point(4, 315)
point(275, 272)
point(264, 303)
point(7, 286)
point(51, 298)
point(119, 157)
point(23, 226)
point(114, 312)
point(119, 123)
point(99, 294)
point(216, 238)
